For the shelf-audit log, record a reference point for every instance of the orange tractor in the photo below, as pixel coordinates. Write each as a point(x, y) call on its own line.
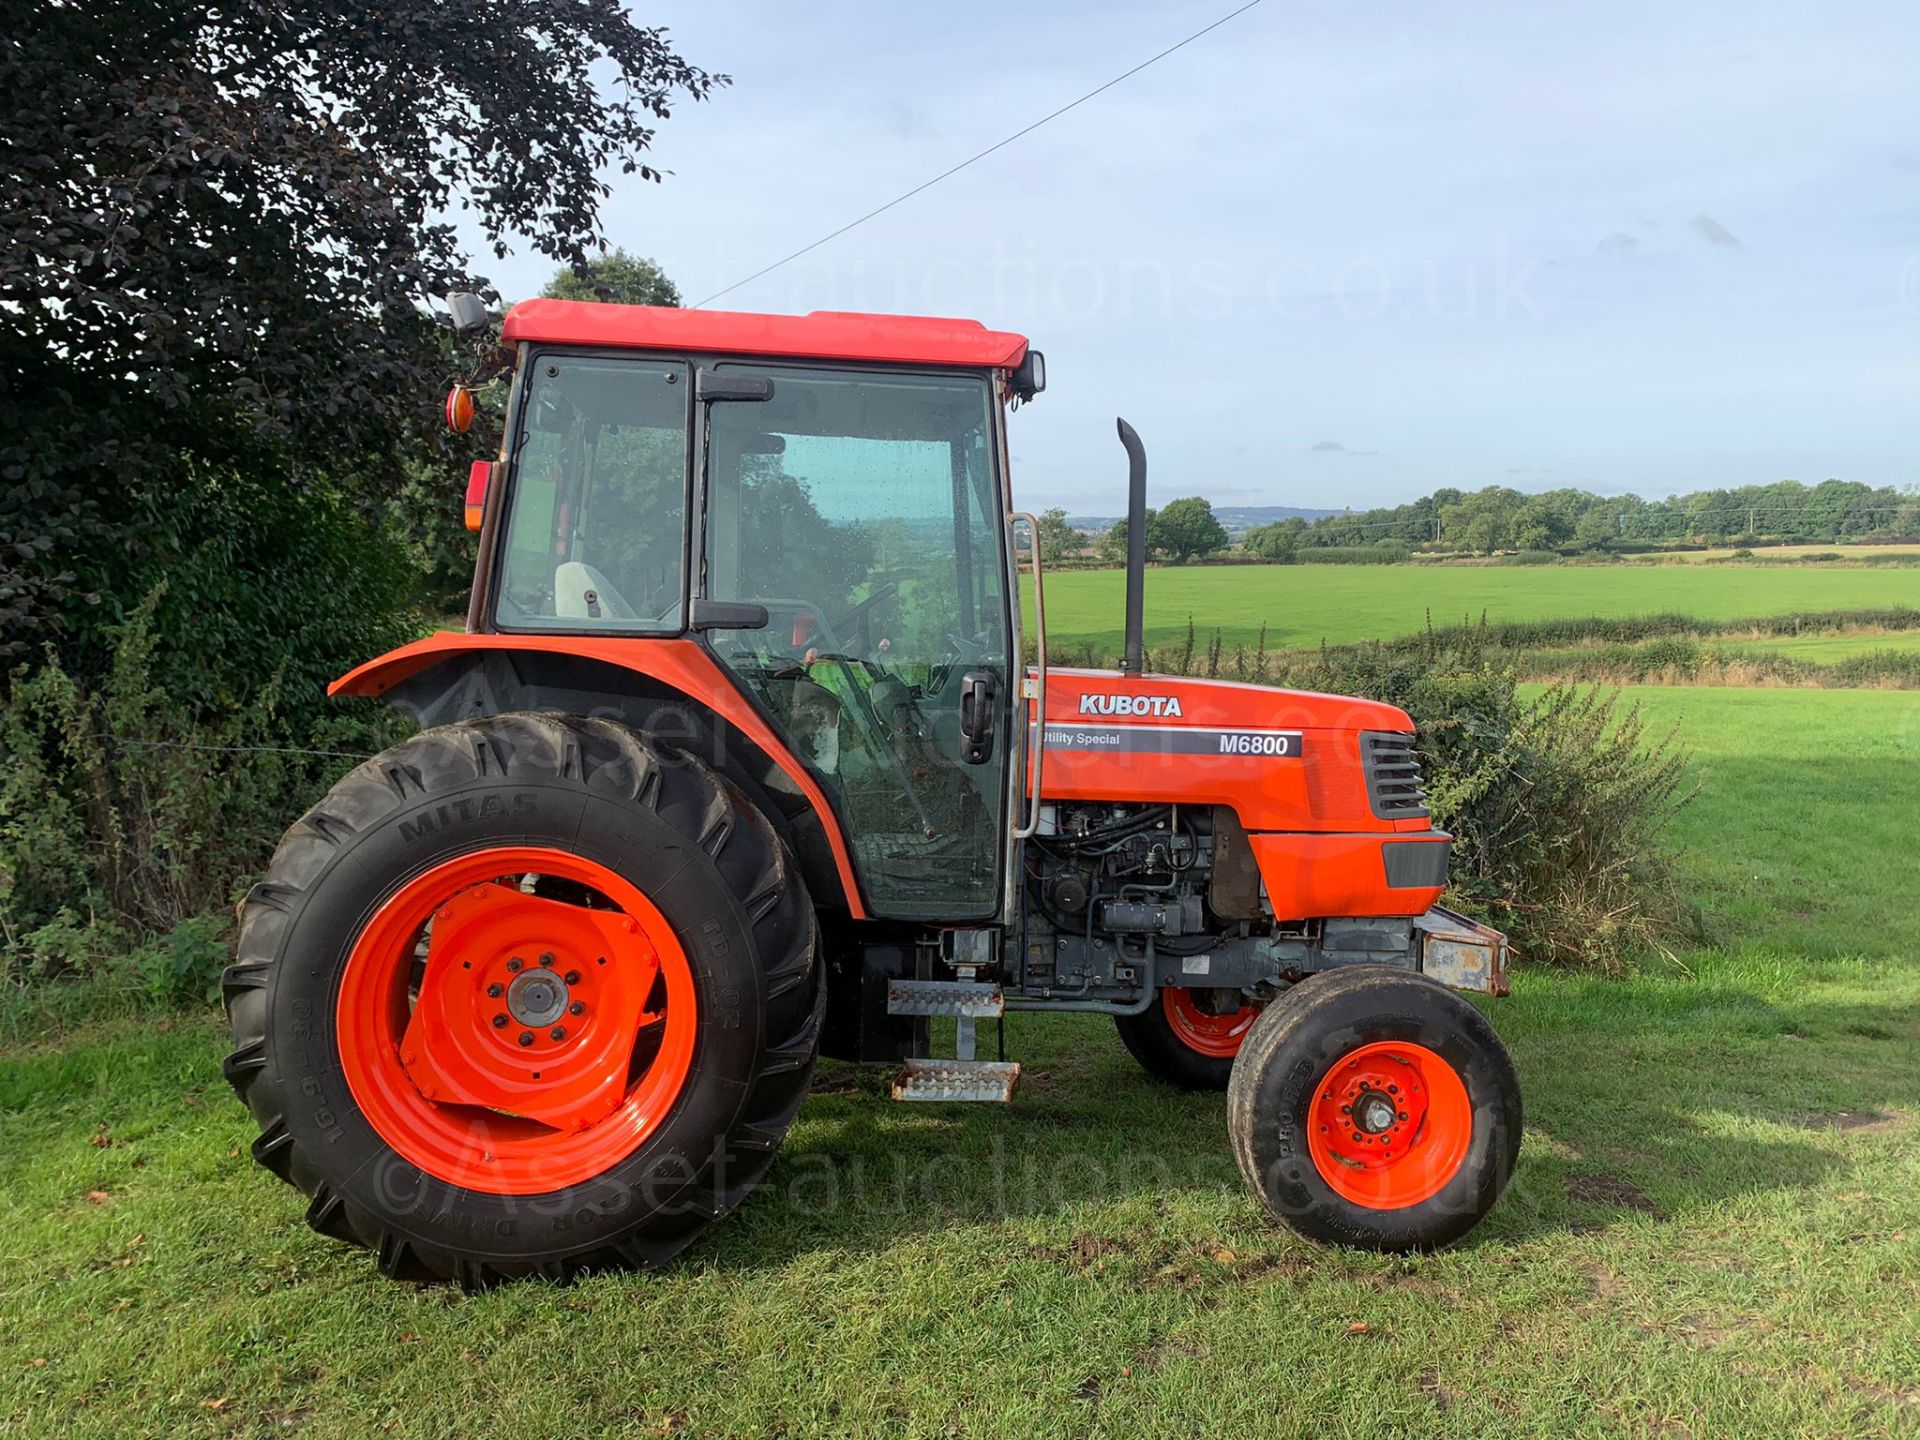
point(737, 763)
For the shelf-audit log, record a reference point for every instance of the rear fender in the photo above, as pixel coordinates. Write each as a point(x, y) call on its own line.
point(670, 688)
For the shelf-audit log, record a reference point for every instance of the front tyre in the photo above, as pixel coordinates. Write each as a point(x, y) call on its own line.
point(1188, 1037)
point(525, 995)
point(1375, 1108)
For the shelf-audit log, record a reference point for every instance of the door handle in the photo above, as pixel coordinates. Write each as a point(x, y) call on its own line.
point(977, 691)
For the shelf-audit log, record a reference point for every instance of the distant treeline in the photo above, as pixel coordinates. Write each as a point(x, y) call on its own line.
point(1497, 518)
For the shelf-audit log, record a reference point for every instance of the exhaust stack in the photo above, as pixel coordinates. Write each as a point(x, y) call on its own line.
point(1133, 658)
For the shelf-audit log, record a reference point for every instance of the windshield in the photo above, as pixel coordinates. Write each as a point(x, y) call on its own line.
point(596, 522)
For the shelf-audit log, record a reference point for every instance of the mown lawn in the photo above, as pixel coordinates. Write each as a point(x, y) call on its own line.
point(1303, 605)
point(1715, 1228)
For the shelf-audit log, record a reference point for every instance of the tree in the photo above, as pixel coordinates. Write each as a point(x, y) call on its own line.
point(1278, 541)
point(1112, 544)
point(1058, 540)
point(219, 231)
point(1187, 530)
point(618, 279)
point(1537, 525)
point(1483, 520)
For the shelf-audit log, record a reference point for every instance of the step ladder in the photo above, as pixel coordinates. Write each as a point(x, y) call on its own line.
point(963, 1077)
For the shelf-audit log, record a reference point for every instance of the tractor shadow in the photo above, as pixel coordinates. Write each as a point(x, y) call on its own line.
point(1645, 1100)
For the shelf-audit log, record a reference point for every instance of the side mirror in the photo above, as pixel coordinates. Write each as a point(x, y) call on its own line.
point(468, 311)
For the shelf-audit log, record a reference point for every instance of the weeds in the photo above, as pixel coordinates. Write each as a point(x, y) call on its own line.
point(126, 827)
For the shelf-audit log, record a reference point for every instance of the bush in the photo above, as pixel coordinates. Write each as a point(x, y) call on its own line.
point(261, 585)
point(1557, 804)
point(1391, 552)
point(129, 819)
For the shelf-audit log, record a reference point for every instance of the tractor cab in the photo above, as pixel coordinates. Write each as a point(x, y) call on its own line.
point(832, 532)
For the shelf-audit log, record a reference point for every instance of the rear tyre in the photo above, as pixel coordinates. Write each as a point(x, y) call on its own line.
point(525, 995)
point(1374, 1108)
point(1189, 1037)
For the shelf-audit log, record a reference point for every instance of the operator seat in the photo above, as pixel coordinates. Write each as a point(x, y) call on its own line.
point(581, 592)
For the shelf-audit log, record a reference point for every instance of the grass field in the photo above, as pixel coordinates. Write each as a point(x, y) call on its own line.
point(1825, 649)
point(1714, 1230)
point(1791, 552)
point(1302, 605)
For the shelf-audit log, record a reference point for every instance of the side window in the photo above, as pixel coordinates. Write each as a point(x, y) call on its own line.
point(596, 525)
point(854, 506)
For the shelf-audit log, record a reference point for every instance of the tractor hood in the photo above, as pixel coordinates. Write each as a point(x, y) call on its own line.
point(1282, 759)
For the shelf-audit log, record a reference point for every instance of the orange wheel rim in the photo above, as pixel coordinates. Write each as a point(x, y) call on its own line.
point(1218, 1037)
point(510, 1042)
point(1389, 1125)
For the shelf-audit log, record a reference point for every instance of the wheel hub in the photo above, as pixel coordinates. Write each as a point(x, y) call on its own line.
point(1370, 1110)
point(1373, 1112)
point(537, 997)
point(1389, 1124)
point(529, 1006)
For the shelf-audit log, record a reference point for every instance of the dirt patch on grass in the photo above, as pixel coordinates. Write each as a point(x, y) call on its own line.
point(1711, 1331)
point(1187, 1264)
point(1907, 1399)
point(1871, 1121)
point(1155, 1358)
point(835, 1082)
point(1605, 1188)
point(1443, 1395)
point(1607, 1286)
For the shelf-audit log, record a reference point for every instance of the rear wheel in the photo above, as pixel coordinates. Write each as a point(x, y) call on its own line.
point(524, 995)
point(1189, 1037)
point(1375, 1108)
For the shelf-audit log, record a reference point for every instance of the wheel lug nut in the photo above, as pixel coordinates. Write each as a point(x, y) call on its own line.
point(526, 1037)
point(516, 965)
point(500, 1022)
point(573, 977)
point(496, 990)
point(546, 961)
point(578, 1009)
point(559, 1032)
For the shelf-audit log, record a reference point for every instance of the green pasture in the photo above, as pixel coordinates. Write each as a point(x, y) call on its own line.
point(1714, 1229)
point(1302, 605)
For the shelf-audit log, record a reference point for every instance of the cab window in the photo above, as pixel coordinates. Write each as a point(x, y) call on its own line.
point(596, 522)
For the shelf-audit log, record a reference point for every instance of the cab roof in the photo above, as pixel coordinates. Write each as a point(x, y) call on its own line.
point(822, 335)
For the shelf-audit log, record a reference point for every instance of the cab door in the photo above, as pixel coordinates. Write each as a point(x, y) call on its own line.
point(860, 509)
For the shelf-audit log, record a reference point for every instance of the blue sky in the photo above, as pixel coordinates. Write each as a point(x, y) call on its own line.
point(1340, 254)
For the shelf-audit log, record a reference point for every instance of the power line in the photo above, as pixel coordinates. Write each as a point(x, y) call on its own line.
point(972, 159)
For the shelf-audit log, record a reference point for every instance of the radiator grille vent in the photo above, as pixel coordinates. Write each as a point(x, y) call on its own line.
point(1394, 788)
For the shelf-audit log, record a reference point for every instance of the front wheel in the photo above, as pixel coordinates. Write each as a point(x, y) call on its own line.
point(1375, 1108)
point(524, 995)
point(1189, 1037)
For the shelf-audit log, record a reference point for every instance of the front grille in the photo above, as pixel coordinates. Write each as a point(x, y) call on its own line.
point(1393, 775)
